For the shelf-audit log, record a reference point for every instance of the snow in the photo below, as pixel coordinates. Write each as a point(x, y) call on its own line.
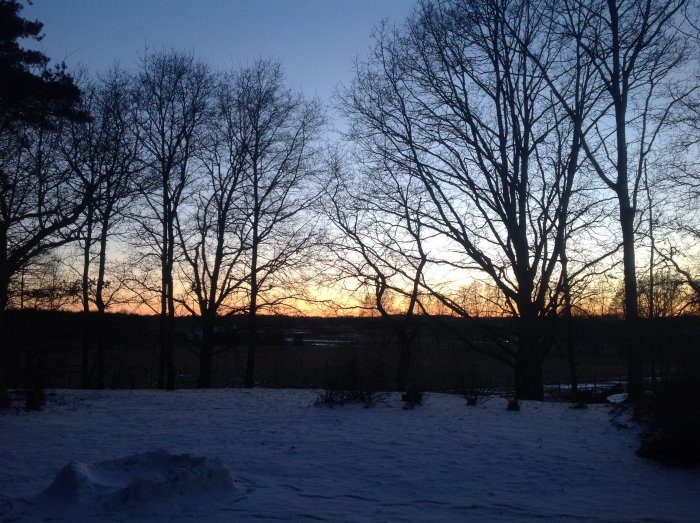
point(133, 482)
point(270, 455)
point(617, 398)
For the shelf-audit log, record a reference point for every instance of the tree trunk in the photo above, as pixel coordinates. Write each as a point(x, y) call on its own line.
point(4, 285)
point(170, 352)
point(85, 353)
point(4, 395)
point(652, 283)
point(85, 288)
point(253, 310)
point(170, 262)
point(207, 352)
point(163, 324)
point(405, 362)
point(528, 378)
point(164, 271)
point(571, 357)
point(619, 91)
point(252, 335)
point(568, 325)
point(101, 306)
point(529, 383)
point(101, 348)
point(405, 369)
point(634, 354)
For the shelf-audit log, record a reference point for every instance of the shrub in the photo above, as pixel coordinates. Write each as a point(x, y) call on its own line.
point(672, 415)
point(35, 398)
point(412, 397)
point(344, 385)
point(476, 395)
point(513, 404)
point(333, 396)
point(5, 401)
point(479, 393)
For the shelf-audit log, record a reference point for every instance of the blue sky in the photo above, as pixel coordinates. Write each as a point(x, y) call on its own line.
point(316, 40)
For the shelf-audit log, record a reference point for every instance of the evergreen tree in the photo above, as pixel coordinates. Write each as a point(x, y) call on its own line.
point(38, 207)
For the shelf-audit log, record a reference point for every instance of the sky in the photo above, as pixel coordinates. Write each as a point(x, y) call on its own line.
point(315, 40)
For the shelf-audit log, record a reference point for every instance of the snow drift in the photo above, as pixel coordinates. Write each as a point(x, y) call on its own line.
point(142, 478)
point(141, 486)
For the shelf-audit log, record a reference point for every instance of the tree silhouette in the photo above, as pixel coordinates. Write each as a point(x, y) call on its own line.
point(40, 200)
point(173, 103)
point(213, 233)
point(453, 99)
point(634, 49)
point(279, 187)
point(379, 247)
point(104, 152)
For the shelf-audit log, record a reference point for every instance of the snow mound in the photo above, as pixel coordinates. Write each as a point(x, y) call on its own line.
point(138, 479)
point(617, 398)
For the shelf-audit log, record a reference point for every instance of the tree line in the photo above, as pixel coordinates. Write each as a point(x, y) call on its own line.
point(531, 148)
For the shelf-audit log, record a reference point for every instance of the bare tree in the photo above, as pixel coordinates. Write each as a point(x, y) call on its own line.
point(678, 247)
point(214, 234)
point(454, 98)
point(279, 183)
point(379, 247)
point(173, 92)
point(104, 152)
point(634, 47)
point(46, 284)
point(39, 199)
point(40, 206)
point(678, 241)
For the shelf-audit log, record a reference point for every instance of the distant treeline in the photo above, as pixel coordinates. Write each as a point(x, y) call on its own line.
point(44, 349)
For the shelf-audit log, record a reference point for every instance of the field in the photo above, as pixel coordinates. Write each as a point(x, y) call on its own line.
point(273, 455)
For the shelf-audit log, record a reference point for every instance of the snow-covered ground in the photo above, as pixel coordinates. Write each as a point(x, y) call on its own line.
point(269, 455)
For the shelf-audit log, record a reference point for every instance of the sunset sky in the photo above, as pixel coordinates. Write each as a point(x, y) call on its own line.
point(316, 40)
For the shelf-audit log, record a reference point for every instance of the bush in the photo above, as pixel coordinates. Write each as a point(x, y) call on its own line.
point(5, 401)
point(35, 398)
point(513, 404)
point(412, 397)
point(672, 415)
point(333, 396)
point(476, 395)
point(345, 386)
